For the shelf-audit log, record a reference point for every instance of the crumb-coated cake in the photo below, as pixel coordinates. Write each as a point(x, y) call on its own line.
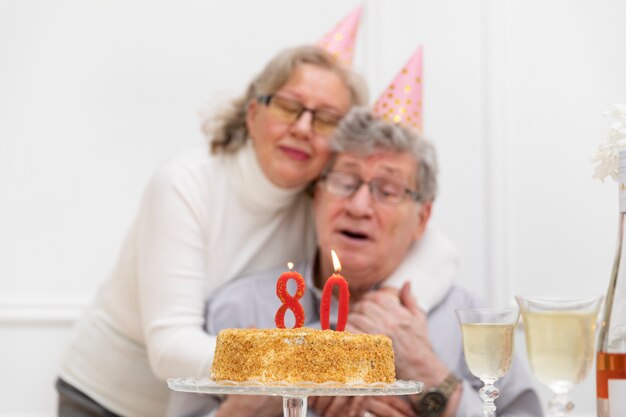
point(302, 354)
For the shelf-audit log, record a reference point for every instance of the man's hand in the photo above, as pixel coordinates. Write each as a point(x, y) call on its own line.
point(386, 406)
point(360, 406)
point(400, 318)
point(250, 405)
point(336, 406)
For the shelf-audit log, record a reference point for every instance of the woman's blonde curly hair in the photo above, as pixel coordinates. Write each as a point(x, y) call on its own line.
point(228, 131)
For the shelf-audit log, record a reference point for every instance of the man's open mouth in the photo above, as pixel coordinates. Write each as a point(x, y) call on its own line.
point(354, 234)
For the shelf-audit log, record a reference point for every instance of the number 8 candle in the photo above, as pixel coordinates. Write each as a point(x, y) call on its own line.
point(290, 301)
point(344, 297)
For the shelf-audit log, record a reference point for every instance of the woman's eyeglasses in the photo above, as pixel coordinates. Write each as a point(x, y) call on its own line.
point(324, 122)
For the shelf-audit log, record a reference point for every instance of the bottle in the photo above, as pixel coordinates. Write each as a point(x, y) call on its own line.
point(611, 356)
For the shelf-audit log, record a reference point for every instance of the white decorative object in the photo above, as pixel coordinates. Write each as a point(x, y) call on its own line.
point(606, 156)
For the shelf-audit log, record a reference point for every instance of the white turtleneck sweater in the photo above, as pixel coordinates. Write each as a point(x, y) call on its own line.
point(203, 220)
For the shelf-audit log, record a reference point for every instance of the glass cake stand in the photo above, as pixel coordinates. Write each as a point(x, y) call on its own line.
point(294, 395)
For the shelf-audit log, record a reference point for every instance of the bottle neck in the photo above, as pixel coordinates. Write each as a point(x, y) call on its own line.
point(622, 181)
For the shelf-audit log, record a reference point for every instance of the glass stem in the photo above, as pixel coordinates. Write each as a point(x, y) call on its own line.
point(294, 406)
point(560, 404)
point(488, 393)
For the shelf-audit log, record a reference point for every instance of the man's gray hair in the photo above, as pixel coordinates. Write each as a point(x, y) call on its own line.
point(228, 131)
point(363, 133)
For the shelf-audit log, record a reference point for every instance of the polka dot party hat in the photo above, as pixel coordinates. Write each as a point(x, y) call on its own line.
point(401, 102)
point(340, 41)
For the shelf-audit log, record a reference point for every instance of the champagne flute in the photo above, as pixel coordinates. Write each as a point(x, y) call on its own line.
point(488, 338)
point(560, 337)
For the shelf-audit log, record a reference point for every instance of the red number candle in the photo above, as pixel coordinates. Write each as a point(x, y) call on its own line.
point(290, 301)
point(344, 297)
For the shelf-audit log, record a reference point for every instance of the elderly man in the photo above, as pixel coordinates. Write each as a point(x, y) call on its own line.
point(371, 204)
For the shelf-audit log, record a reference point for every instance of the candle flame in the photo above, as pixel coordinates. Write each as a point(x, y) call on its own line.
point(336, 263)
point(290, 265)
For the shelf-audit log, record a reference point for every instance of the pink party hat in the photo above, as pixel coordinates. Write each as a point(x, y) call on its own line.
point(340, 41)
point(401, 102)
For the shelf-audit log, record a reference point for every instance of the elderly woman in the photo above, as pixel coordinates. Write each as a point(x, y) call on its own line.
point(371, 204)
point(205, 218)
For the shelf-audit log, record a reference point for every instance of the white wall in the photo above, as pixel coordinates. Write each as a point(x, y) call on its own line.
point(94, 94)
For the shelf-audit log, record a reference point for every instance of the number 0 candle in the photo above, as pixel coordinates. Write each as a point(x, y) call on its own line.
point(289, 301)
point(344, 297)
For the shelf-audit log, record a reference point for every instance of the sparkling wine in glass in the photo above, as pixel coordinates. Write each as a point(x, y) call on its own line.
point(488, 338)
point(560, 337)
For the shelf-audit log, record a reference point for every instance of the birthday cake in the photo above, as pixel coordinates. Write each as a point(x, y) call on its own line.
point(302, 354)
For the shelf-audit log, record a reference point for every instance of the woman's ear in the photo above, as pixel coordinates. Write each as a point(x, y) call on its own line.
point(251, 111)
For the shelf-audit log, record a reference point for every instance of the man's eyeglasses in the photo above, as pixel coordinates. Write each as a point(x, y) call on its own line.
point(324, 122)
point(343, 184)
